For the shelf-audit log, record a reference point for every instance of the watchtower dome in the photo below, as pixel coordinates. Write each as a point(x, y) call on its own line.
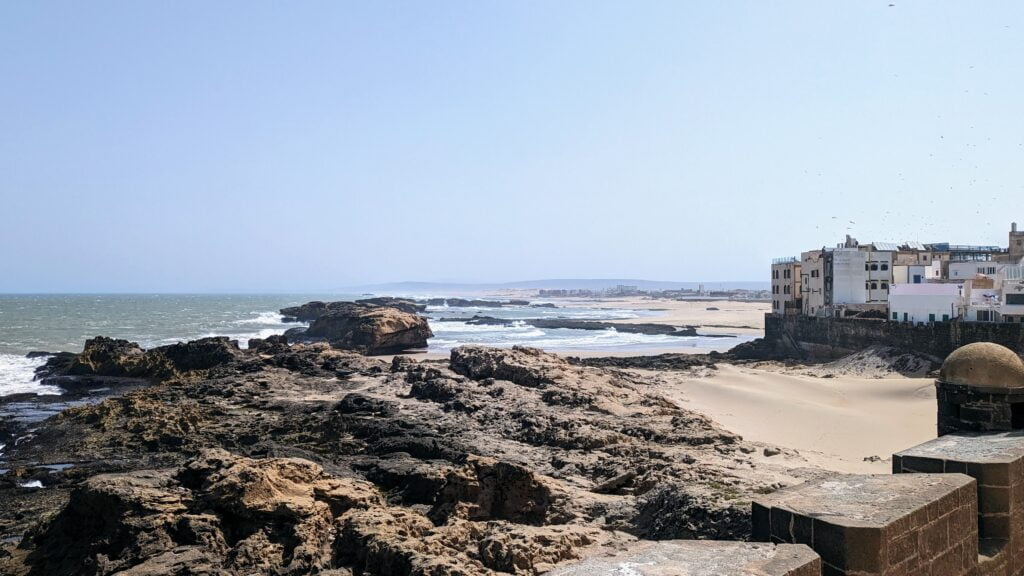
point(981, 388)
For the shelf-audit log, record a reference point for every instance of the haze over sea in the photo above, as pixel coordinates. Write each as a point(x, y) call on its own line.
point(62, 322)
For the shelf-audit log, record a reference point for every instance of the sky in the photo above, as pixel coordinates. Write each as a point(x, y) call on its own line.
point(267, 146)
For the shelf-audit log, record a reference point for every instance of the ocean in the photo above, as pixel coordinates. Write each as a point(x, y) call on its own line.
point(59, 322)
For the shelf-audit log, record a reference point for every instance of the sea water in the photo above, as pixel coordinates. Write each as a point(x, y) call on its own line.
point(55, 323)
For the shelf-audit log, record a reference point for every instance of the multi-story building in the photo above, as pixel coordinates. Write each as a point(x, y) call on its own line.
point(1011, 280)
point(786, 286)
point(812, 282)
point(967, 282)
point(878, 272)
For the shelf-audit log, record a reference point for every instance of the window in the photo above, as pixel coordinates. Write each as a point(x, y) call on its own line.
point(904, 316)
point(885, 266)
point(1015, 299)
point(986, 316)
point(895, 316)
point(931, 317)
point(867, 285)
point(885, 285)
point(874, 266)
point(945, 317)
point(874, 285)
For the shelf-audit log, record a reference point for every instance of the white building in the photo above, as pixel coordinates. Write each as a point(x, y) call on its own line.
point(982, 301)
point(878, 275)
point(968, 270)
point(1011, 281)
point(925, 303)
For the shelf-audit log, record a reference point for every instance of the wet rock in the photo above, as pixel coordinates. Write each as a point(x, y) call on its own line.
point(270, 345)
point(403, 304)
point(369, 330)
point(202, 354)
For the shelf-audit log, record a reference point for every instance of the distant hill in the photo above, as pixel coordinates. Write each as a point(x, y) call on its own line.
point(551, 284)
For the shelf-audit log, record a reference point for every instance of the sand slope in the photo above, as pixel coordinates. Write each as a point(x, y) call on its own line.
point(833, 423)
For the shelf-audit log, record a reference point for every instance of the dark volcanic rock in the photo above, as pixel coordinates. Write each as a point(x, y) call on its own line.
point(496, 461)
point(107, 357)
point(466, 303)
point(201, 354)
point(669, 361)
point(403, 304)
point(369, 330)
point(104, 356)
point(566, 323)
point(269, 345)
point(310, 311)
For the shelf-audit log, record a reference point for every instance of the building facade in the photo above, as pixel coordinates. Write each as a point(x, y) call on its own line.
point(786, 284)
point(812, 282)
point(925, 303)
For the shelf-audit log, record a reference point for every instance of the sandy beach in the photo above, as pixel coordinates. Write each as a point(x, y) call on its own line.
point(710, 316)
point(831, 423)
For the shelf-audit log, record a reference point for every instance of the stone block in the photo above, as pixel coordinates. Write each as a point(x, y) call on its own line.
point(878, 525)
point(699, 558)
point(996, 461)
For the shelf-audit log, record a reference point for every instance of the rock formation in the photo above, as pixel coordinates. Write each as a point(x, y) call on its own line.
point(368, 330)
point(301, 458)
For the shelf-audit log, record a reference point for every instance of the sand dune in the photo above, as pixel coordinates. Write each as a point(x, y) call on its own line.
point(833, 423)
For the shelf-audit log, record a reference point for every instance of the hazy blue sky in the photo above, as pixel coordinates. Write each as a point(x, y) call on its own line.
point(311, 145)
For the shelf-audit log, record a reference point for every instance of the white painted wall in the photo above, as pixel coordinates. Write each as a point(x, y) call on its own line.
point(917, 303)
point(968, 270)
point(981, 299)
point(848, 276)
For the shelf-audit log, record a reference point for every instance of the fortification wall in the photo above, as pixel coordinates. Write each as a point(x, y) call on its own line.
point(834, 337)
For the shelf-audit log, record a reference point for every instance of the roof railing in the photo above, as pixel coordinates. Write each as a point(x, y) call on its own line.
point(785, 260)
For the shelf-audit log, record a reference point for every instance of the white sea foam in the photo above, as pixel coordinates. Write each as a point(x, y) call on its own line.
point(453, 334)
point(31, 484)
point(262, 318)
point(16, 373)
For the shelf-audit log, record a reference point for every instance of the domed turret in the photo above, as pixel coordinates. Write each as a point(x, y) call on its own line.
point(983, 365)
point(981, 388)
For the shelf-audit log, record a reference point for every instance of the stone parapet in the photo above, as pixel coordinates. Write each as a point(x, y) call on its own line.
point(996, 462)
point(878, 525)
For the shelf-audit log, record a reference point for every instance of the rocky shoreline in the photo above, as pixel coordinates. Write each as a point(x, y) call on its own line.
point(295, 458)
point(647, 328)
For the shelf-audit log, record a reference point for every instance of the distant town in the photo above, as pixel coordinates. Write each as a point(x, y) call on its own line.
point(623, 291)
point(908, 282)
